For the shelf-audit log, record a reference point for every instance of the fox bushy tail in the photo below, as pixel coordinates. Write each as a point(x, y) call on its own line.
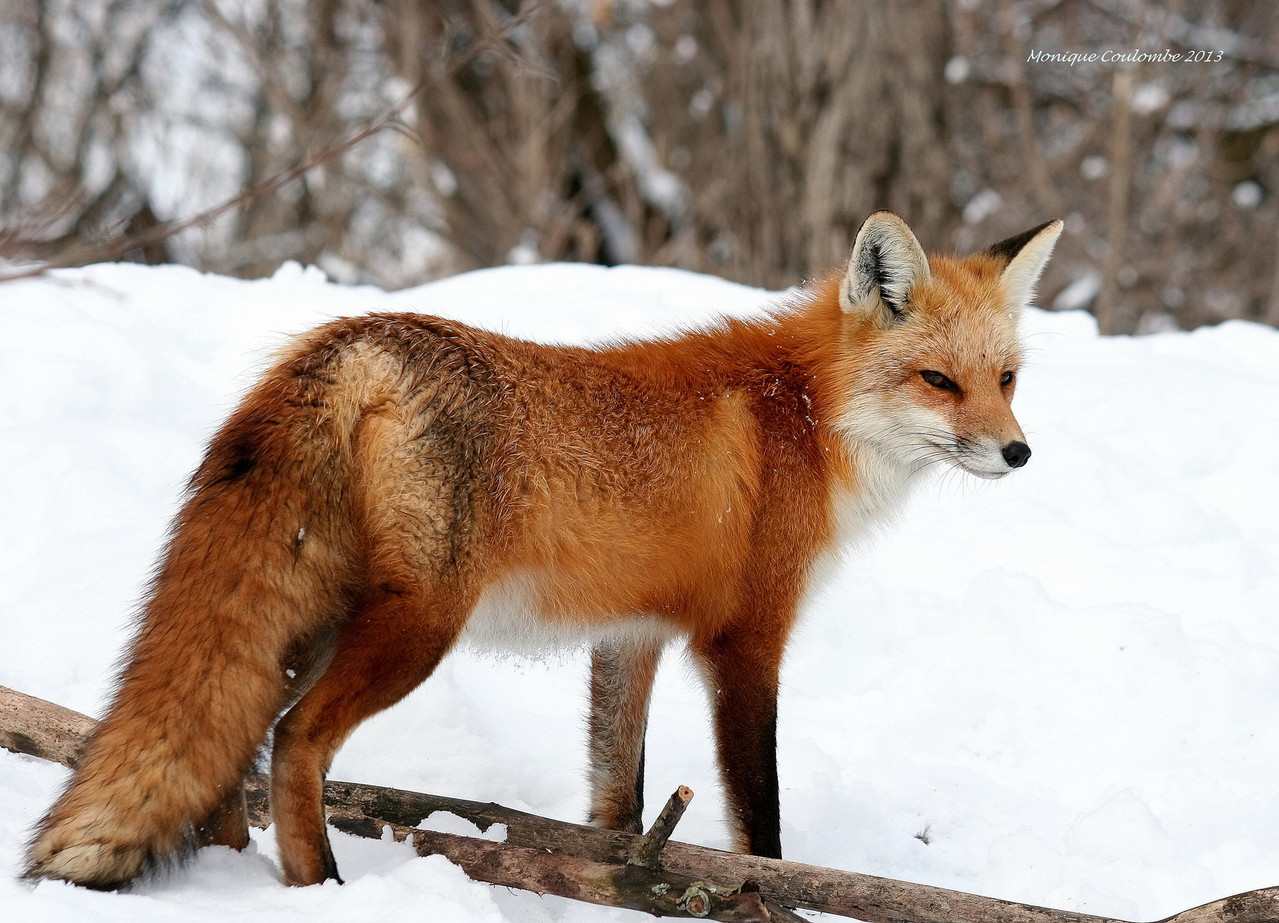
point(255, 570)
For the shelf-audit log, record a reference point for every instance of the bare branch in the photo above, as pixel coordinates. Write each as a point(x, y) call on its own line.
point(116, 248)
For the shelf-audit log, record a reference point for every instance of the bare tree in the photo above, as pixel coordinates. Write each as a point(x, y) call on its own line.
point(68, 98)
point(801, 120)
point(744, 137)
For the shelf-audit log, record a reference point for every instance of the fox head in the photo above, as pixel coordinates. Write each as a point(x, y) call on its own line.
point(930, 347)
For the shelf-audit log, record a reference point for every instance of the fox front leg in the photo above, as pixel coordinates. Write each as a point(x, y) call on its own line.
point(742, 680)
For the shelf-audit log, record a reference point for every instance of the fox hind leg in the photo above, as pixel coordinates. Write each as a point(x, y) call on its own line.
point(415, 506)
point(228, 824)
point(622, 673)
point(305, 662)
point(382, 655)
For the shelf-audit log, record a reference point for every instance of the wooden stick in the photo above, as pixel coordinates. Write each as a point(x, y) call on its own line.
point(33, 726)
point(648, 848)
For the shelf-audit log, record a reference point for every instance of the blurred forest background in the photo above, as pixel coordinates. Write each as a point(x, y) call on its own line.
point(395, 142)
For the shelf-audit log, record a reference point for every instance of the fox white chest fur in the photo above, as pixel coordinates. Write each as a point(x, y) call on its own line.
point(511, 618)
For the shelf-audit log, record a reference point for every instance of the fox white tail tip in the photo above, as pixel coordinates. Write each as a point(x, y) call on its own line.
point(98, 865)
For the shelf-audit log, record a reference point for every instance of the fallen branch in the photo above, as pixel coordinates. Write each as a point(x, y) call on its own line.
point(39, 728)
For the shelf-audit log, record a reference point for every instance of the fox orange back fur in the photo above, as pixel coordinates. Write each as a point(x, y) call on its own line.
point(396, 482)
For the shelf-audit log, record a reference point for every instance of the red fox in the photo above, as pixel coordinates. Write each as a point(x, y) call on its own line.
point(395, 482)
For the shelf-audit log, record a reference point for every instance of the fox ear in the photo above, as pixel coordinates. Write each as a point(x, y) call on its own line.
point(1024, 258)
point(887, 262)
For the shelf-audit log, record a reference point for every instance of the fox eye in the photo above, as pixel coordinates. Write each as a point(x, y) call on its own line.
point(938, 380)
point(1006, 379)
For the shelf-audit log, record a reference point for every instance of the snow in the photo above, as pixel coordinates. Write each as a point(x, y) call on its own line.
point(1067, 678)
point(982, 206)
point(1079, 294)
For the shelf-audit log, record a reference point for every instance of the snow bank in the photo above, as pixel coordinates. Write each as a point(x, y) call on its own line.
point(1066, 678)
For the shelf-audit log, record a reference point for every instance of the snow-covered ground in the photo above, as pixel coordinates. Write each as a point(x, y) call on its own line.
point(1069, 679)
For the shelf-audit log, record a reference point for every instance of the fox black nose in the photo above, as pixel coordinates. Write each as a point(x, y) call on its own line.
point(1016, 454)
